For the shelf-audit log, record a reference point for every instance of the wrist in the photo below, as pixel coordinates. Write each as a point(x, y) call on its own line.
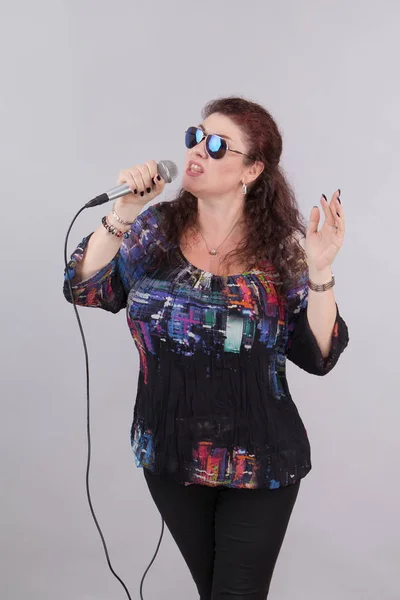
point(126, 210)
point(113, 221)
point(320, 277)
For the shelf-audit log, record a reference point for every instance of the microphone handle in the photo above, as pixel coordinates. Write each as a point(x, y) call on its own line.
point(113, 194)
point(166, 169)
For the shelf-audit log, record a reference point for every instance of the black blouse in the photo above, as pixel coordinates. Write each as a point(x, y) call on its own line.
point(213, 405)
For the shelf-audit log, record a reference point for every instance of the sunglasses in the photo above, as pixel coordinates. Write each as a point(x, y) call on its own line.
point(216, 146)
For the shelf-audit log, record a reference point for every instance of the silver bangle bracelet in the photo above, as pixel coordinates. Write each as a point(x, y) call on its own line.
point(118, 218)
point(321, 287)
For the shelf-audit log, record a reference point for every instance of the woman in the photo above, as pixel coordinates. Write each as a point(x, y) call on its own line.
point(222, 285)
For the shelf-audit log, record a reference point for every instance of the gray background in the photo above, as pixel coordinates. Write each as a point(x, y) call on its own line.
point(91, 87)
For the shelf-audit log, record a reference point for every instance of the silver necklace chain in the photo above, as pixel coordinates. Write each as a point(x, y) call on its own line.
point(214, 252)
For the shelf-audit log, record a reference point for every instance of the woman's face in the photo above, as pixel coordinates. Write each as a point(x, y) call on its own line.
point(221, 176)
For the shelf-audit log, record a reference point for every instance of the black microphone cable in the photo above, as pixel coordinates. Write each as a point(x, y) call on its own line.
point(89, 442)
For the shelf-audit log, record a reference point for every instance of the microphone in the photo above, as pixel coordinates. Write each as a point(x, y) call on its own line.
point(166, 169)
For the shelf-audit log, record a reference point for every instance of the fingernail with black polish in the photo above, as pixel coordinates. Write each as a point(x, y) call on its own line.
point(337, 214)
point(148, 190)
point(159, 178)
point(142, 193)
point(135, 191)
point(325, 198)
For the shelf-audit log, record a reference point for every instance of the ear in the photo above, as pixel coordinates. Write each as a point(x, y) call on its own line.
point(254, 170)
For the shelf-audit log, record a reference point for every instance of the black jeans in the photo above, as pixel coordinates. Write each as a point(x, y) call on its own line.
point(230, 538)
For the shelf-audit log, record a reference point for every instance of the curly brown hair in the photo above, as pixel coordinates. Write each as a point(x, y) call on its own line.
point(270, 202)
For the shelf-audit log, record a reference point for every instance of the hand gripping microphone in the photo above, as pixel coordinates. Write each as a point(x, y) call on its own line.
point(166, 169)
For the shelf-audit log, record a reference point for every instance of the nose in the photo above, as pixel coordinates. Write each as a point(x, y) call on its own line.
point(200, 149)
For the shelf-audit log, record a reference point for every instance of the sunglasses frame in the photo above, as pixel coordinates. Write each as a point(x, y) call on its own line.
point(206, 136)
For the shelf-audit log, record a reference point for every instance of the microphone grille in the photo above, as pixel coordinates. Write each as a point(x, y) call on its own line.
point(168, 170)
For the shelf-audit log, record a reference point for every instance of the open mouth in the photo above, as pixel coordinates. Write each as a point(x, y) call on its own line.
point(195, 168)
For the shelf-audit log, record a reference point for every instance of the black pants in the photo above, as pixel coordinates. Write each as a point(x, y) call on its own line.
point(229, 538)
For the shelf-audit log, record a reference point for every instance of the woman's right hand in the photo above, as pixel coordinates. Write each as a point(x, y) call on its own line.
point(102, 245)
point(145, 183)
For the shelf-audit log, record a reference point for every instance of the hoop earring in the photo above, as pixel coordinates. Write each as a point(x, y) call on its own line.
point(244, 189)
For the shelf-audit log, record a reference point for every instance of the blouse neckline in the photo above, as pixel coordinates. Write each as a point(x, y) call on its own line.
point(193, 267)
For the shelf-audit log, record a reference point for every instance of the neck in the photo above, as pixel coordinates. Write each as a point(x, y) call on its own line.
point(217, 217)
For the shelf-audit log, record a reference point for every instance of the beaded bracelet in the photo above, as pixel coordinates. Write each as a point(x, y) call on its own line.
point(321, 287)
point(111, 229)
point(118, 218)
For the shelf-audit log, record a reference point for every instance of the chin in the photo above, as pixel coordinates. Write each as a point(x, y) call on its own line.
point(190, 184)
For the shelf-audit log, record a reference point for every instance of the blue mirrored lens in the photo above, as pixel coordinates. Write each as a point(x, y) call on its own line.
point(214, 143)
point(199, 136)
point(193, 136)
point(216, 146)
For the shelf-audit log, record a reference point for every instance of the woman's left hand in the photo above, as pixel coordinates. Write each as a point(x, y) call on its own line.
point(322, 246)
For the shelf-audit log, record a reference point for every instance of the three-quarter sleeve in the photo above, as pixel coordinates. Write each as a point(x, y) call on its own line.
point(110, 286)
point(302, 347)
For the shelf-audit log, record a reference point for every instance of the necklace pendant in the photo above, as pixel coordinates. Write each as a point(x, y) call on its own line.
point(213, 252)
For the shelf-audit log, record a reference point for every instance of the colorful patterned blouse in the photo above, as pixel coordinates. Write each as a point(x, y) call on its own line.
point(213, 405)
